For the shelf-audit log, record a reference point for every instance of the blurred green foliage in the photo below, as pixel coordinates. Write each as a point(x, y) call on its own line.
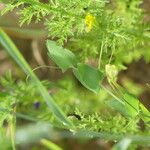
point(110, 34)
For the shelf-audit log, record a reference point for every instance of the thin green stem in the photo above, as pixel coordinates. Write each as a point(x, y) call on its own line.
point(112, 52)
point(100, 55)
point(118, 88)
point(42, 66)
point(12, 131)
point(110, 93)
point(111, 56)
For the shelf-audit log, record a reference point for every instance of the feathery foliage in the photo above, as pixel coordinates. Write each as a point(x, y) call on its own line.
point(109, 33)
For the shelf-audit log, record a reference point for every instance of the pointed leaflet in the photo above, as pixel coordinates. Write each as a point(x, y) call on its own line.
point(88, 76)
point(135, 107)
point(116, 105)
point(129, 109)
point(131, 104)
point(62, 57)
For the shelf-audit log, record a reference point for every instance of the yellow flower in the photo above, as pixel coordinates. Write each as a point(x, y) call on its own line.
point(89, 21)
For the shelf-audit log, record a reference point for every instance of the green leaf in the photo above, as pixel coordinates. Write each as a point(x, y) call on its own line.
point(88, 76)
point(131, 104)
point(12, 50)
point(62, 57)
point(116, 105)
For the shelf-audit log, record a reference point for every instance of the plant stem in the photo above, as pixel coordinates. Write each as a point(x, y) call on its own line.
point(100, 55)
point(12, 136)
point(110, 93)
point(17, 56)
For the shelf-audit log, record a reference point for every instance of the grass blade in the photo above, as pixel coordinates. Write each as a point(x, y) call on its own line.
point(122, 145)
point(48, 131)
point(10, 47)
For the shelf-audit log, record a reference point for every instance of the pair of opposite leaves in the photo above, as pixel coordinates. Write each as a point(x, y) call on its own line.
point(91, 78)
point(88, 76)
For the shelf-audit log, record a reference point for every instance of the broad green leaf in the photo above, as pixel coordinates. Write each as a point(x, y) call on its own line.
point(116, 105)
point(131, 104)
point(88, 76)
point(12, 50)
point(62, 57)
point(122, 145)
